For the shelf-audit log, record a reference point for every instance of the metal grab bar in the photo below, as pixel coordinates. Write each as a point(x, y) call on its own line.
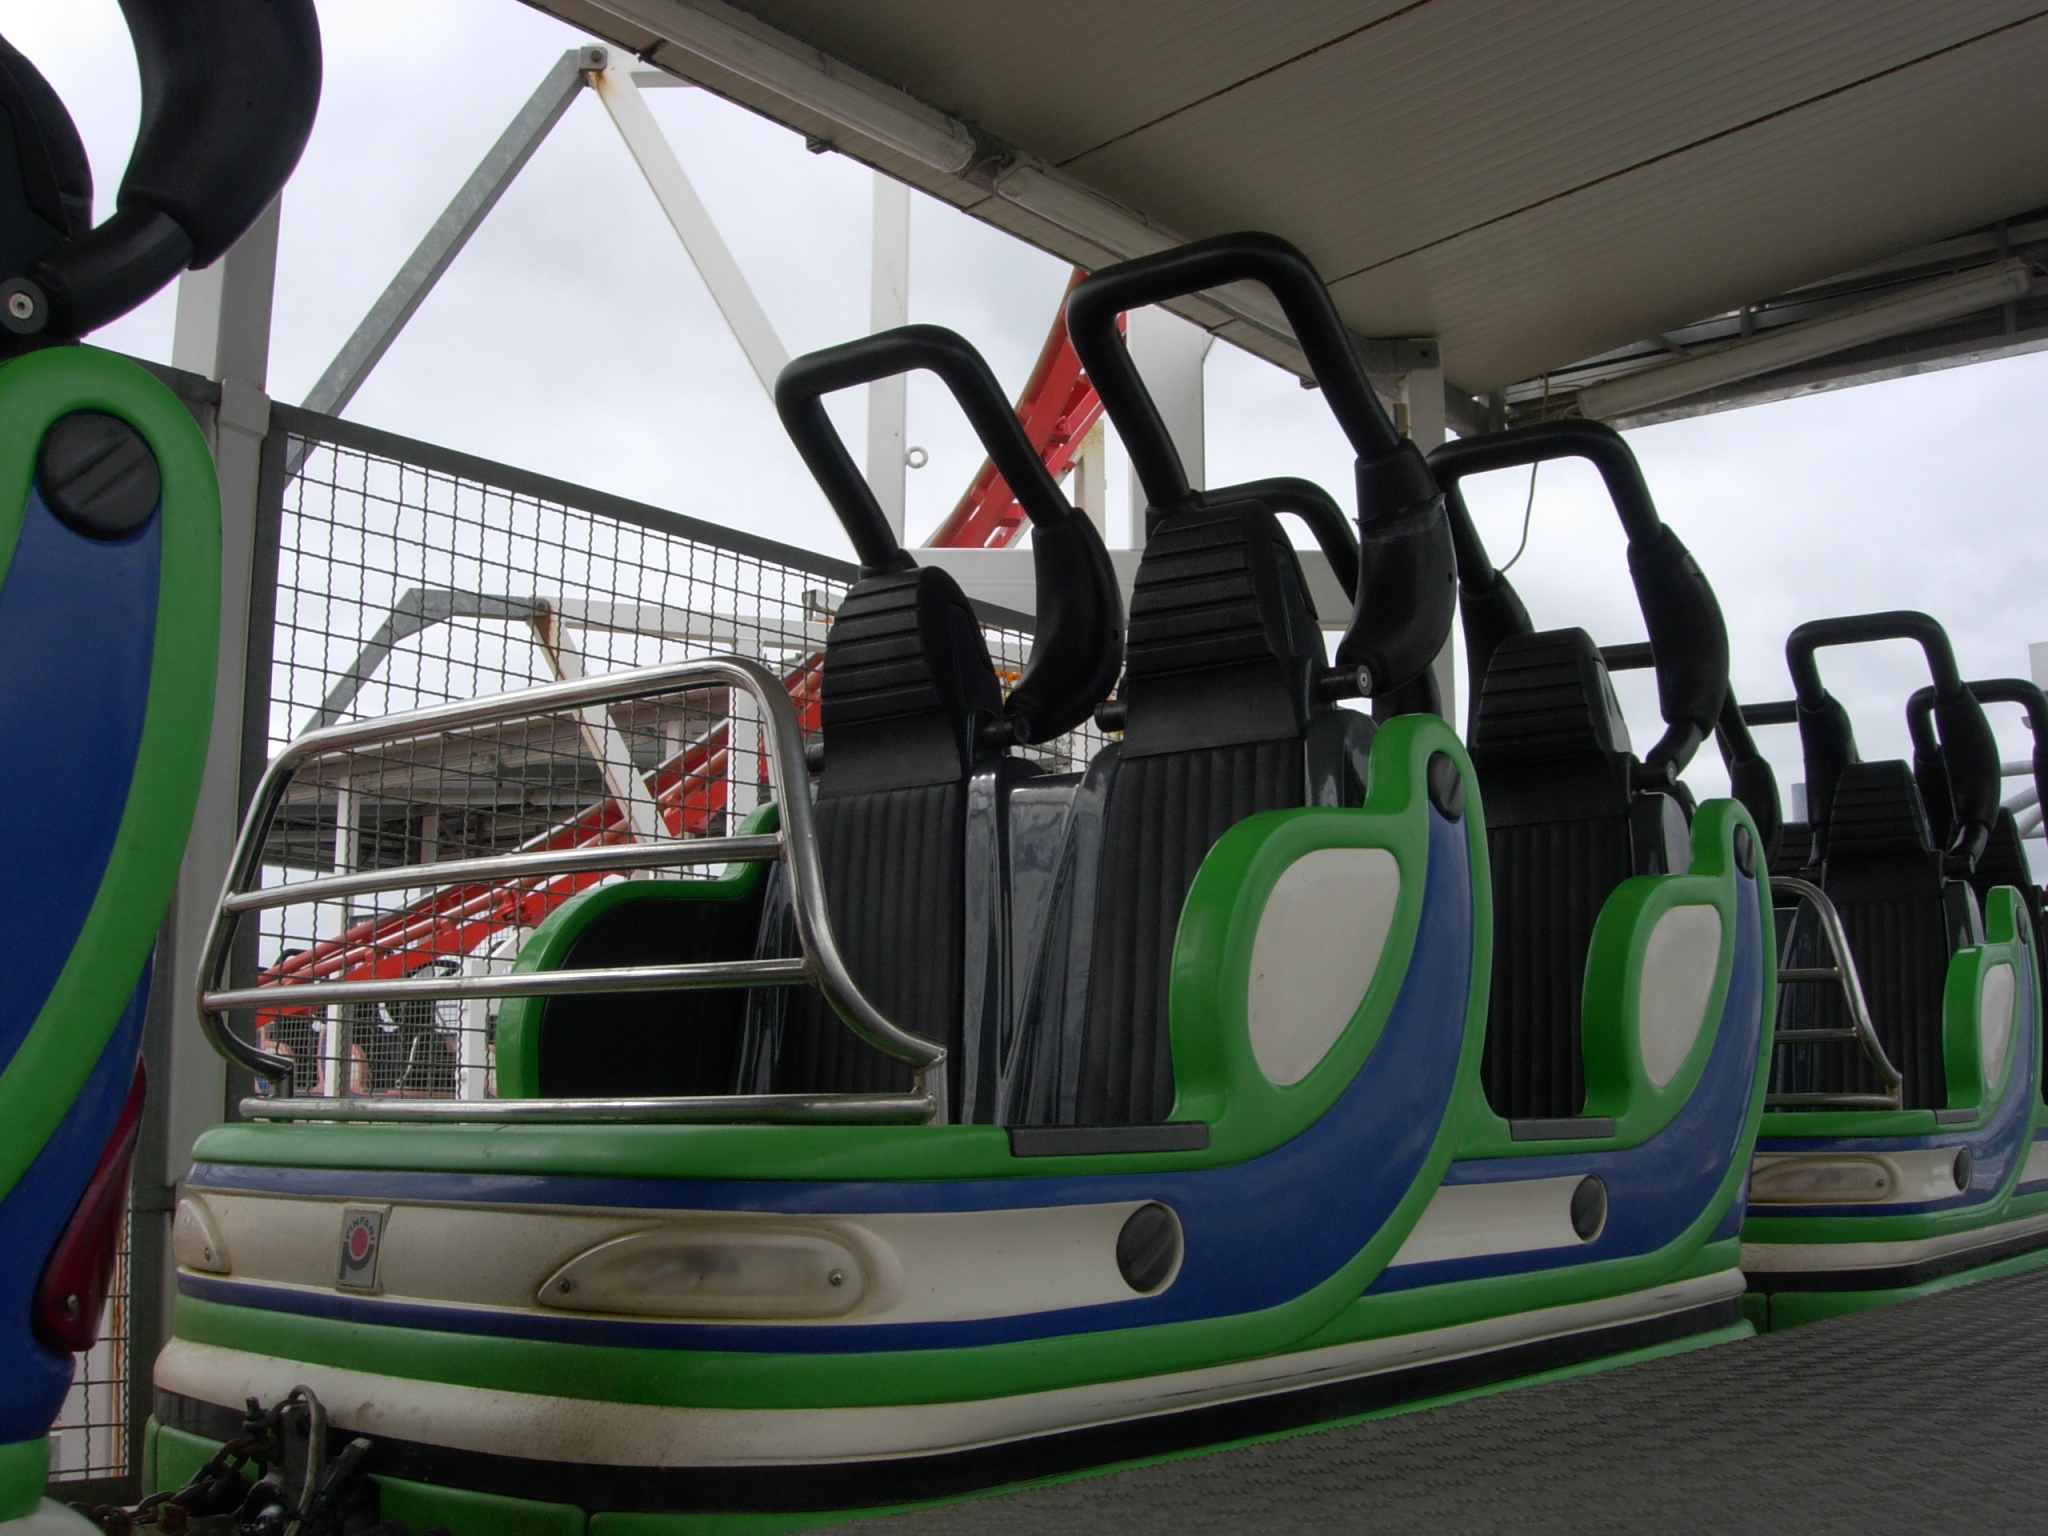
point(696, 977)
point(493, 869)
point(1861, 1030)
point(795, 843)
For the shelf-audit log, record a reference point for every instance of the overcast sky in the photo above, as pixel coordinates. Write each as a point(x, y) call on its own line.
point(573, 337)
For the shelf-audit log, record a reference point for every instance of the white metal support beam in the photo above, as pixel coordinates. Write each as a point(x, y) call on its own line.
point(1169, 353)
point(889, 306)
point(223, 332)
point(602, 737)
point(1422, 402)
point(691, 220)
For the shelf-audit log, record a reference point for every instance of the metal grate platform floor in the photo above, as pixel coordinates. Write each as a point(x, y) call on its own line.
point(1925, 1415)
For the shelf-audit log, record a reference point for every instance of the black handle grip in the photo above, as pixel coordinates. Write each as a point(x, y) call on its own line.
point(1687, 634)
point(229, 93)
point(1095, 303)
point(1995, 690)
point(1969, 752)
point(1077, 650)
point(1864, 629)
point(1750, 779)
point(1593, 441)
point(799, 400)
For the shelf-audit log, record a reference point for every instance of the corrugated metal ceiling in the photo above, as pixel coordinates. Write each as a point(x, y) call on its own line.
point(1530, 183)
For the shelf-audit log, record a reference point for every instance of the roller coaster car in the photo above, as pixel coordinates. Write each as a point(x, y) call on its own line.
point(1896, 1153)
point(109, 619)
point(1185, 1050)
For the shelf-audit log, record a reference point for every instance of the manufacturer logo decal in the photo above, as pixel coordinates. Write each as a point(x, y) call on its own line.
point(362, 1234)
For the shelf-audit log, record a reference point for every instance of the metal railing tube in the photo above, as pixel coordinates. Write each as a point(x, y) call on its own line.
point(1861, 1030)
point(702, 976)
point(807, 891)
point(796, 843)
point(513, 866)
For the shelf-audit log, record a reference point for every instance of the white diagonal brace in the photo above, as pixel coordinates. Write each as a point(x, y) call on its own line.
point(691, 220)
point(602, 737)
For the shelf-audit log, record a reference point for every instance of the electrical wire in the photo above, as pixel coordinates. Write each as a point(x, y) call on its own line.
point(1527, 507)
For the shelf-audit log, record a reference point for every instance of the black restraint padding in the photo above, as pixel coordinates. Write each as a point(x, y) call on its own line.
point(2005, 858)
point(45, 178)
point(1689, 638)
point(1165, 813)
point(640, 1043)
point(1223, 641)
point(1828, 744)
point(1552, 758)
point(1077, 648)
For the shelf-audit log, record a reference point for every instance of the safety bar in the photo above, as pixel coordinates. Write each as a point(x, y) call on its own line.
point(1861, 1030)
point(795, 843)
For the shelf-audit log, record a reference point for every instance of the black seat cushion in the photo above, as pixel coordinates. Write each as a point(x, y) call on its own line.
point(1218, 690)
point(1883, 873)
point(907, 684)
point(1551, 754)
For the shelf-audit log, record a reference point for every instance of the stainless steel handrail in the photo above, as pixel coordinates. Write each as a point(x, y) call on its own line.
point(795, 842)
point(697, 976)
point(1861, 1030)
point(495, 868)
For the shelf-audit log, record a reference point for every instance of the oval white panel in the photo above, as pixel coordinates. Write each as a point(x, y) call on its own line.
point(710, 1269)
point(1994, 1024)
point(1319, 942)
point(1678, 980)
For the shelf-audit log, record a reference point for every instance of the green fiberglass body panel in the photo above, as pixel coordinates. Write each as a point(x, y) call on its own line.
point(954, 1312)
point(1853, 1207)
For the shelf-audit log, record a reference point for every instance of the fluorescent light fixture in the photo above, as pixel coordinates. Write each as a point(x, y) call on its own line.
point(1893, 314)
point(800, 74)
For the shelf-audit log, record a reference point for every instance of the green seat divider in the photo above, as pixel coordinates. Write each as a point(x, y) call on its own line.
point(519, 1018)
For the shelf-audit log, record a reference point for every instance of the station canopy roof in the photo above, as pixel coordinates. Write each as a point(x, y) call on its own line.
point(1629, 209)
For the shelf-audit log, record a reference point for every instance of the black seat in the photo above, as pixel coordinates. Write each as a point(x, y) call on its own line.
point(1570, 812)
point(1552, 756)
point(911, 711)
point(1898, 875)
point(1220, 668)
point(907, 686)
point(1227, 706)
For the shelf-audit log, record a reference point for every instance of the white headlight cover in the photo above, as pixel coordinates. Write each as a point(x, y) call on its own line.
point(707, 1269)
